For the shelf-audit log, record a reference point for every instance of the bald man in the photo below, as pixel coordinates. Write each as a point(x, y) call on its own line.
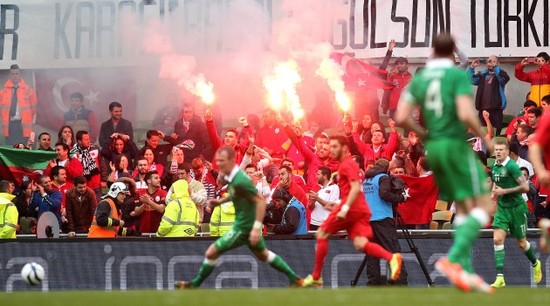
point(490, 95)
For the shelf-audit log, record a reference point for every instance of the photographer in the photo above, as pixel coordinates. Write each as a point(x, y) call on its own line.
point(292, 220)
point(380, 195)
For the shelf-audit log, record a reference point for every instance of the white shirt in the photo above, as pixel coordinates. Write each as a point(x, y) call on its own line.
point(264, 191)
point(330, 193)
point(524, 163)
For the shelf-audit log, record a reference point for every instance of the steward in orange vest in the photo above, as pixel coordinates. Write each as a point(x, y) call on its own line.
point(17, 105)
point(107, 218)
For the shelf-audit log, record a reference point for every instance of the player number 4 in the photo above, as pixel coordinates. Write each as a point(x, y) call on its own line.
point(433, 98)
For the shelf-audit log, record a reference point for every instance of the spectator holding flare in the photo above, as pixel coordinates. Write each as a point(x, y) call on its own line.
point(352, 215)
point(79, 118)
point(80, 205)
point(71, 165)
point(444, 94)
point(115, 126)
point(247, 230)
point(490, 94)
point(511, 213)
point(271, 135)
point(539, 79)
point(17, 108)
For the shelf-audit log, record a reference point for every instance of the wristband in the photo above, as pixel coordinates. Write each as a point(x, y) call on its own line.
point(345, 208)
point(258, 225)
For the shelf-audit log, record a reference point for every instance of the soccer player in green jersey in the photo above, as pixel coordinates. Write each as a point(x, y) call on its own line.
point(444, 95)
point(511, 214)
point(247, 229)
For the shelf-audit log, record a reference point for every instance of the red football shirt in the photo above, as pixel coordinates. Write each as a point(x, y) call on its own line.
point(542, 137)
point(348, 171)
point(149, 220)
point(63, 189)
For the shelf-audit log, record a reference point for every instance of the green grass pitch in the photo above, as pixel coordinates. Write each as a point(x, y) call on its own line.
point(284, 297)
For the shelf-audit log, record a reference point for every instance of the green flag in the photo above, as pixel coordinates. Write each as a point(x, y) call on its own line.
point(20, 165)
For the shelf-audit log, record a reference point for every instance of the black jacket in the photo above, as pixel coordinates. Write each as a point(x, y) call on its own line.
point(385, 192)
point(107, 129)
point(291, 219)
point(103, 211)
point(197, 133)
point(498, 98)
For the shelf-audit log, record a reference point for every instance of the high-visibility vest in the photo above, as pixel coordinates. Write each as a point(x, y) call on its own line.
point(97, 231)
point(222, 220)
point(8, 219)
point(180, 219)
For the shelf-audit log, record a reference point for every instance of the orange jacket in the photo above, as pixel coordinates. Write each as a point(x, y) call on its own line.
point(97, 231)
point(26, 98)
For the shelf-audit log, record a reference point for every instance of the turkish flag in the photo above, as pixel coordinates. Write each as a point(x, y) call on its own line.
point(359, 75)
point(100, 87)
point(419, 207)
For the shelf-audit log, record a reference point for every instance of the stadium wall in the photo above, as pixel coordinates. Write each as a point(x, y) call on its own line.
point(155, 264)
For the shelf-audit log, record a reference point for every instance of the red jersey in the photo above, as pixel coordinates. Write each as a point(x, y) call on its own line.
point(348, 171)
point(63, 189)
point(149, 220)
point(542, 137)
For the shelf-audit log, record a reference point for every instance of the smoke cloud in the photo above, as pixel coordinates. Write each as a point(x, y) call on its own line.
point(246, 60)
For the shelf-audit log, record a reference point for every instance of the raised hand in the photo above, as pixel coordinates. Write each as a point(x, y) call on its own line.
point(391, 44)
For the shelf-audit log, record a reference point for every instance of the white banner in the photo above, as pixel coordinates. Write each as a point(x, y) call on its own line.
point(71, 33)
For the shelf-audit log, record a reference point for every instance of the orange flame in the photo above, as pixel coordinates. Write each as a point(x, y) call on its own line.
point(332, 73)
point(281, 86)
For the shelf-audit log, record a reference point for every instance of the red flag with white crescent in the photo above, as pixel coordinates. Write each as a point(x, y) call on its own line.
point(359, 75)
point(100, 86)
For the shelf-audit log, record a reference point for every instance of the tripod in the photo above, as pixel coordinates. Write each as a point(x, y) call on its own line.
point(412, 247)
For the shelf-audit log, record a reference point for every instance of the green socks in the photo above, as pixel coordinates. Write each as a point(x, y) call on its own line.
point(499, 259)
point(530, 253)
point(280, 265)
point(465, 236)
point(206, 269)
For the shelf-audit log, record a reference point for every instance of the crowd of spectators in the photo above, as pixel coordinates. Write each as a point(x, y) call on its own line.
point(163, 185)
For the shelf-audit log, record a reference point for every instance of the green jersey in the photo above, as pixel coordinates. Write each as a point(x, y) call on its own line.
point(435, 90)
point(242, 193)
point(505, 176)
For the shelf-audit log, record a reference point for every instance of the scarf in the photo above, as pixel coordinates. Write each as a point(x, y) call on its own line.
point(88, 162)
